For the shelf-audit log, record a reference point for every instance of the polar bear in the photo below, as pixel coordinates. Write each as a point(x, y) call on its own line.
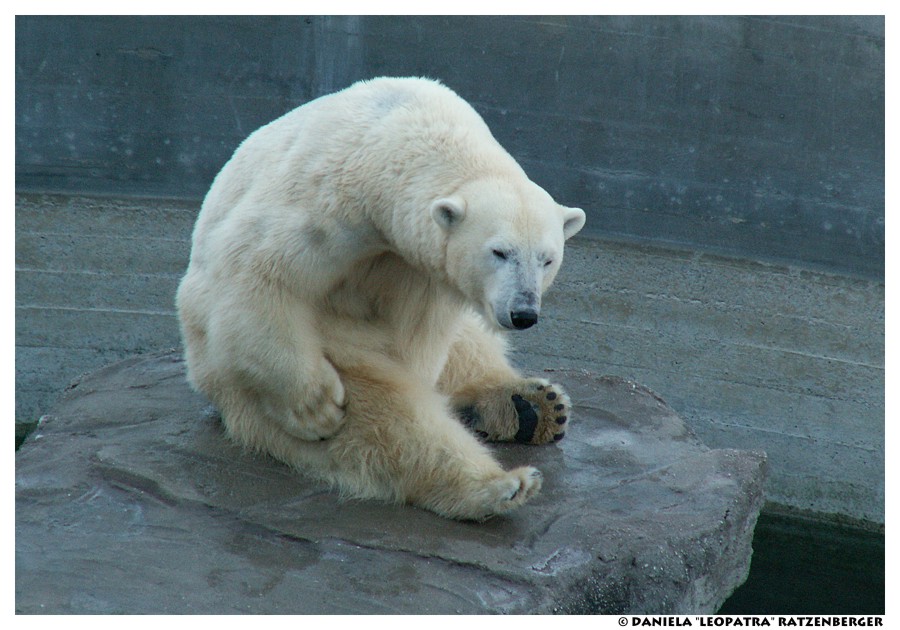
point(353, 269)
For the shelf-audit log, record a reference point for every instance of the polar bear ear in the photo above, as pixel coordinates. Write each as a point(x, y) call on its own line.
point(573, 221)
point(448, 212)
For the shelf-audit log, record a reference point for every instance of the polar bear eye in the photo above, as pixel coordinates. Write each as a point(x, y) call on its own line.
point(548, 263)
point(501, 255)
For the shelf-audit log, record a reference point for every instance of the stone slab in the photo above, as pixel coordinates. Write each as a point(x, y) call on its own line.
point(129, 499)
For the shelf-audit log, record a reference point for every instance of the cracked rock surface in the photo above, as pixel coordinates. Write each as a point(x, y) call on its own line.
point(129, 499)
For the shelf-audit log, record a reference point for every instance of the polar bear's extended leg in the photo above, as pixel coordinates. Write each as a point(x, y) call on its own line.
point(493, 399)
point(402, 444)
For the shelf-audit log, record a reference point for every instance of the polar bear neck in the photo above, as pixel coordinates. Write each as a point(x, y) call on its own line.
point(388, 306)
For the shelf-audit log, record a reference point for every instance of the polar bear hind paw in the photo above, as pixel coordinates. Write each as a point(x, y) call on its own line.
point(543, 411)
point(531, 411)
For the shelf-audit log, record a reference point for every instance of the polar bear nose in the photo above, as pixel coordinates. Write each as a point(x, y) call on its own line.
point(523, 319)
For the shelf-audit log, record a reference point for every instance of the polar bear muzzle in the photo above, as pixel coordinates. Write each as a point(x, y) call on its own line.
point(522, 311)
point(523, 319)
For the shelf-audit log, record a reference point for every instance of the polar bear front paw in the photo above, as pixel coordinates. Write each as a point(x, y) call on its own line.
point(316, 422)
point(527, 482)
point(322, 412)
point(501, 494)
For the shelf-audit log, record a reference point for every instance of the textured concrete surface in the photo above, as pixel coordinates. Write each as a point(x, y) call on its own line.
point(755, 135)
point(752, 355)
point(95, 283)
point(130, 500)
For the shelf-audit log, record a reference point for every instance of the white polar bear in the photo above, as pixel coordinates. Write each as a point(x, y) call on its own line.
point(352, 269)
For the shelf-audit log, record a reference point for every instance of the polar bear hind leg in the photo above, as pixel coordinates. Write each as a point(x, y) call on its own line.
point(494, 400)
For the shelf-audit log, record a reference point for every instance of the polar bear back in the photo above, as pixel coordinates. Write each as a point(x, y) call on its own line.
point(370, 159)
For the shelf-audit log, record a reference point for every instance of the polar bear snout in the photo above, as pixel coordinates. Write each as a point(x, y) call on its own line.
point(523, 319)
point(521, 312)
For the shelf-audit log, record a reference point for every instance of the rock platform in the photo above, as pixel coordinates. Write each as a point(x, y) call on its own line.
point(129, 499)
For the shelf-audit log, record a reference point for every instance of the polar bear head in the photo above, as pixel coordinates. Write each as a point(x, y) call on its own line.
point(504, 246)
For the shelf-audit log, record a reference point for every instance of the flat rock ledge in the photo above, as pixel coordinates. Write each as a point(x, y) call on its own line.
point(129, 499)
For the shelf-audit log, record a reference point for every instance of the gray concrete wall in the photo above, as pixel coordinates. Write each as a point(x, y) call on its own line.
point(762, 137)
point(757, 138)
point(95, 283)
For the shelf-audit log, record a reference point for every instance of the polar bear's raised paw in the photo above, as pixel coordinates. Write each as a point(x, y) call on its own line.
point(543, 411)
point(531, 411)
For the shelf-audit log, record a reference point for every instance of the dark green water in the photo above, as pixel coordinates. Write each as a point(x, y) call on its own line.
point(805, 567)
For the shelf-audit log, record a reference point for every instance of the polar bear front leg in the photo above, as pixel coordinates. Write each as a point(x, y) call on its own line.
point(316, 410)
point(272, 357)
point(401, 444)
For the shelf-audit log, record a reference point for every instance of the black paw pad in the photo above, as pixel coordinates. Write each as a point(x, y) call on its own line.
point(559, 436)
point(528, 419)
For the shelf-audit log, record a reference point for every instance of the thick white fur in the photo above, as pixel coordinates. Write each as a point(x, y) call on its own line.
point(345, 282)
